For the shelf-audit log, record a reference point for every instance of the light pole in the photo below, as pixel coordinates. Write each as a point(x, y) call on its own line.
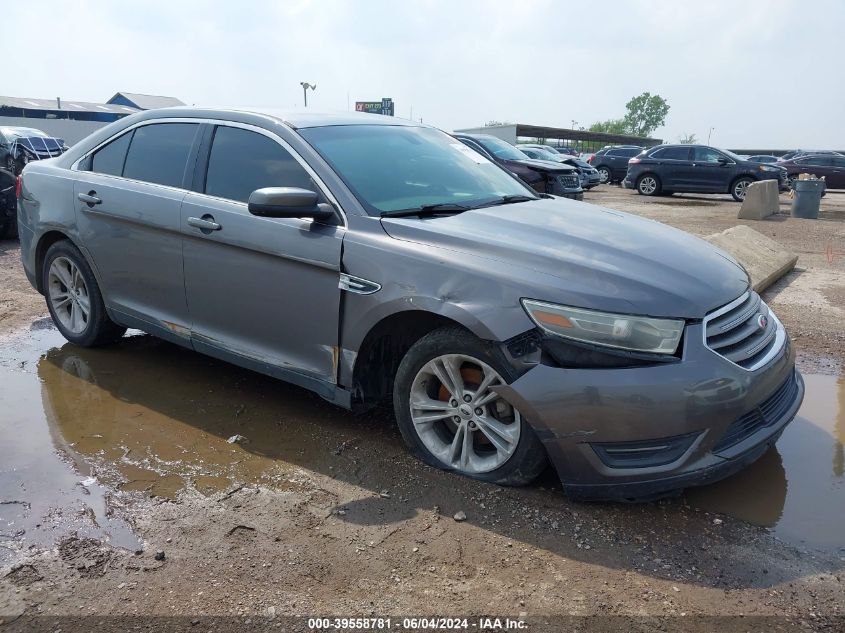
point(305, 86)
point(709, 133)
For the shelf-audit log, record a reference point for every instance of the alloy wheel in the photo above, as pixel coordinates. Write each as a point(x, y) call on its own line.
point(648, 185)
point(459, 419)
point(740, 189)
point(604, 175)
point(68, 295)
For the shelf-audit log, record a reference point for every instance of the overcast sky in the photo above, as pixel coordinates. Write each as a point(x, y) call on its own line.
point(765, 73)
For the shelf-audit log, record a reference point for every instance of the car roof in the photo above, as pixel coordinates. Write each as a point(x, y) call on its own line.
point(297, 119)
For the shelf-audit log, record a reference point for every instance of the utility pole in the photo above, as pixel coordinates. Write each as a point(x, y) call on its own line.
point(305, 86)
point(709, 133)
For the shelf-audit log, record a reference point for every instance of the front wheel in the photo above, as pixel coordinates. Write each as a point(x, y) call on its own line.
point(450, 417)
point(604, 175)
point(648, 185)
point(740, 188)
point(74, 299)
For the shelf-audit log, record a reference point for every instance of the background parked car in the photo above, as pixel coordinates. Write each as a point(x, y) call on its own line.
point(612, 163)
point(8, 205)
point(831, 166)
point(567, 151)
point(541, 175)
point(807, 152)
point(763, 158)
point(20, 145)
point(667, 169)
point(589, 176)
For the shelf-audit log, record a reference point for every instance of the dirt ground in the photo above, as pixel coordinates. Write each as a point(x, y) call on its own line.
point(320, 512)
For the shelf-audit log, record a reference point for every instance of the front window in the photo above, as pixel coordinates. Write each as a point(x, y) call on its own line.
point(394, 168)
point(707, 155)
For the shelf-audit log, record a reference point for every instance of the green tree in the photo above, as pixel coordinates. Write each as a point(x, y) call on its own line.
point(687, 139)
point(611, 126)
point(646, 113)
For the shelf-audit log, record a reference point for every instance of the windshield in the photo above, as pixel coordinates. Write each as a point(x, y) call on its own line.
point(547, 154)
point(735, 157)
point(499, 148)
point(15, 132)
point(394, 168)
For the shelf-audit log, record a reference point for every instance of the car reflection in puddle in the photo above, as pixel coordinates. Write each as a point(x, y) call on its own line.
point(797, 488)
point(153, 417)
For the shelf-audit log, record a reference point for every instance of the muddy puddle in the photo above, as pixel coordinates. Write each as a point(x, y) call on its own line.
point(150, 418)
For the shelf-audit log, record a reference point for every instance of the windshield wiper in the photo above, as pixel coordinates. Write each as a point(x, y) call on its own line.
point(508, 200)
point(442, 208)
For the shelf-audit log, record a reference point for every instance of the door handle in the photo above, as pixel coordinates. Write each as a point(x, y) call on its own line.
point(89, 198)
point(205, 223)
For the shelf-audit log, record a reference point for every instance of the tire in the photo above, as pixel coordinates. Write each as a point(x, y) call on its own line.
point(514, 457)
point(604, 174)
point(739, 186)
point(648, 185)
point(69, 285)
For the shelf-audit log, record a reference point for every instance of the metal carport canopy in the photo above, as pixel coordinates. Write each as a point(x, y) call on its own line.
point(539, 131)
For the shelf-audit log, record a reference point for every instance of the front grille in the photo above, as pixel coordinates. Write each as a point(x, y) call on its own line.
point(568, 180)
point(769, 412)
point(745, 332)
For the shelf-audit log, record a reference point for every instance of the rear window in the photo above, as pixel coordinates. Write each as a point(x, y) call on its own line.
point(159, 153)
point(624, 151)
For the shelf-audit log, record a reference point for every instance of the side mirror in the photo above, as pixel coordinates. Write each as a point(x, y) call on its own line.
point(287, 202)
point(723, 161)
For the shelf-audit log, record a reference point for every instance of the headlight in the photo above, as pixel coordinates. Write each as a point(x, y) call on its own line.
point(767, 168)
point(633, 333)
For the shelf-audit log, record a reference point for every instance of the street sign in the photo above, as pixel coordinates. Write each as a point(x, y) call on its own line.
point(385, 106)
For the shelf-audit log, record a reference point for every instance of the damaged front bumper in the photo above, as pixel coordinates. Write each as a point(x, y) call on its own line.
point(644, 432)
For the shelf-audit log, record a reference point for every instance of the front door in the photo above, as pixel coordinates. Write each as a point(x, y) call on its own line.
point(706, 173)
point(262, 289)
point(128, 196)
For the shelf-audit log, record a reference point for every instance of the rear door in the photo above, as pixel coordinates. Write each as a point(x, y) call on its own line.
point(128, 195)
point(672, 166)
point(263, 289)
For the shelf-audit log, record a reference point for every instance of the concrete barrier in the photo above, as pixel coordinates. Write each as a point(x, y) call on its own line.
point(765, 260)
point(761, 200)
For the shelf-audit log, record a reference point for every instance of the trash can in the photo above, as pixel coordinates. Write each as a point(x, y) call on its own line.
point(808, 197)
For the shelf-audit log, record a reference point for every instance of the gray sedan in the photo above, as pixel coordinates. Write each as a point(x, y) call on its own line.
point(368, 258)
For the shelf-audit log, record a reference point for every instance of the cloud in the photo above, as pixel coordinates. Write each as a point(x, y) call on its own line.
point(762, 72)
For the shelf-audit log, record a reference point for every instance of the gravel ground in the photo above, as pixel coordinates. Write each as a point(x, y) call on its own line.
point(344, 522)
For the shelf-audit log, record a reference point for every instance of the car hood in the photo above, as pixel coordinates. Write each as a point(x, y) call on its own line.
point(583, 255)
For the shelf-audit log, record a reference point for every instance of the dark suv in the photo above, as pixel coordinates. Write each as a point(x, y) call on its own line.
point(540, 175)
point(667, 169)
point(612, 162)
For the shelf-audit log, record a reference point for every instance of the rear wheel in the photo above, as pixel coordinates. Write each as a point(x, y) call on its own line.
point(450, 417)
point(740, 187)
point(648, 185)
point(604, 174)
point(74, 299)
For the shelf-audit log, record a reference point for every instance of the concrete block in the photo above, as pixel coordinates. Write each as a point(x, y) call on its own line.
point(761, 200)
point(765, 260)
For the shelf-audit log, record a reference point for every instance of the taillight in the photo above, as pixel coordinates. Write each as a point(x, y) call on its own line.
point(18, 184)
point(590, 159)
